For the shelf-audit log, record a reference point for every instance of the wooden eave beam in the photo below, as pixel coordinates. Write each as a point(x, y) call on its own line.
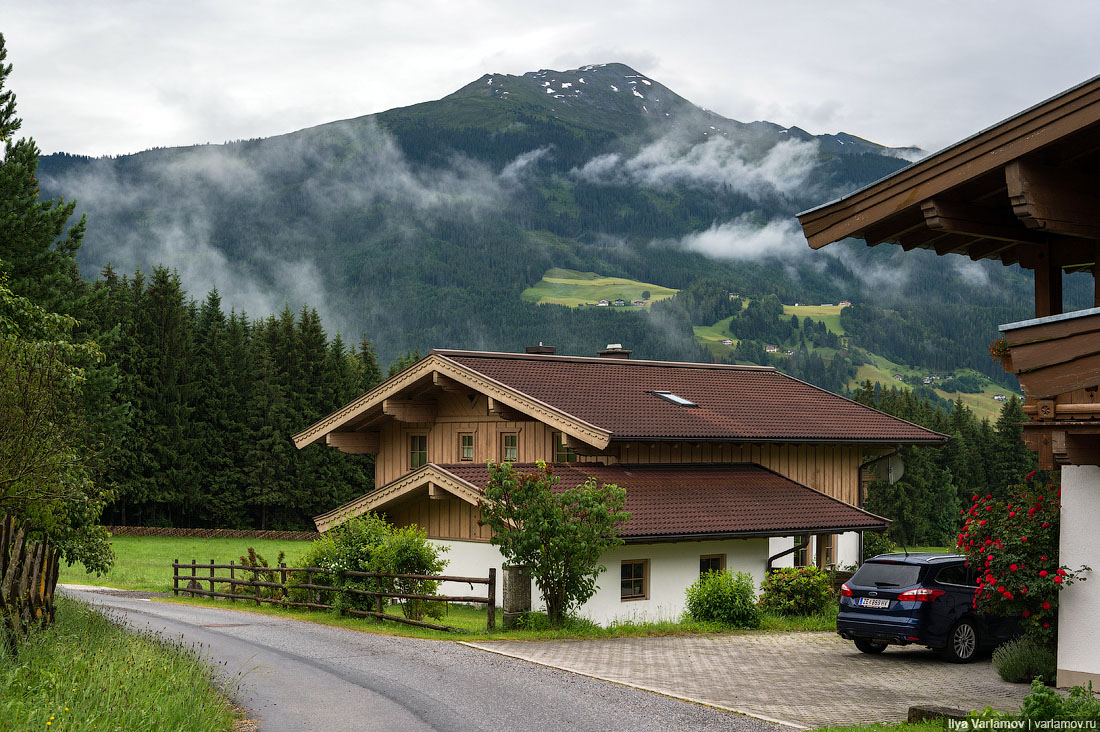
point(410, 410)
point(580, 447)
point(507, 413)
point(446, 383)
point(1054, 200)
point(354, 443)
point(988, 249)
point(975, 221)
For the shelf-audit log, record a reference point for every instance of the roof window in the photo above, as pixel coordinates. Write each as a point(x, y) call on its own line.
point(670, 397)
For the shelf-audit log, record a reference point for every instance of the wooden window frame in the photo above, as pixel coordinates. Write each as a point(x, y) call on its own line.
point(409, 441)
point(560, 450)
point(721, 561)
point(802, 556)
point(645, 580)
point(504, 448)
point(461, 447)
point(825, 549)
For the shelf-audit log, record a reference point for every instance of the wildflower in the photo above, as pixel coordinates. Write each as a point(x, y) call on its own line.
point(1027, 613)
point(1023, 538)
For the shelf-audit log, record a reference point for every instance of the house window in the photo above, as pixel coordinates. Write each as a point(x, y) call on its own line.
point(826, 550)
point(635, 579)
point(509, 447)
point(466, 446)
point(418, 451)
point(712, 563)
point(563, 454)
point(802, 556)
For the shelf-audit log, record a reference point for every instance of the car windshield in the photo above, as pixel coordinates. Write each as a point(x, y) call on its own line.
point(881, 574)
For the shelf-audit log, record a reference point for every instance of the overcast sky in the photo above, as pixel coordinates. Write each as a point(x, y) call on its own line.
point(116, 76)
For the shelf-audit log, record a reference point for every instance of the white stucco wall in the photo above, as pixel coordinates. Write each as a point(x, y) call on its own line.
point(1079, 605)
point(672, 568)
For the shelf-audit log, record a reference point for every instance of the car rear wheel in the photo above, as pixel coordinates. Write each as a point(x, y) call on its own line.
point(868, 646)
point(962, 642)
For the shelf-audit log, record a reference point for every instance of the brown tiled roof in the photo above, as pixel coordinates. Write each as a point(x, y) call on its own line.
point(734, 402)
point(696, 501)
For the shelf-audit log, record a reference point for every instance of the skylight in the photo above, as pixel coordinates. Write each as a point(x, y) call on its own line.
point(678, 400)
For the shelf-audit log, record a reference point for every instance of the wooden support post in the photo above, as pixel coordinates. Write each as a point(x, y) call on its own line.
point(232, 586)
point(211, 575)
point(256, 578)
point(193, 584)
point(491, 614)
point(282, 581)
point(309, 581)
point(176, 577)
point(379, 605)
point(1048, 285)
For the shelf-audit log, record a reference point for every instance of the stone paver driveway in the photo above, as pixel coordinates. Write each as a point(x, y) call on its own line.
point(800, 679)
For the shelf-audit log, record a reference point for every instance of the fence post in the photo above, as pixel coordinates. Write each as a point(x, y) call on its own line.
point(232, 585)
point(176, 577)
point(211, 577)
point(309, 581)
point(193, 584)
point(256, 578)
point(492, 612)
point(282, 581)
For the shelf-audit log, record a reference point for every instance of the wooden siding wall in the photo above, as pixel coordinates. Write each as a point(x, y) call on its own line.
point(449, 518)
point(831, 469)
point(458, 415)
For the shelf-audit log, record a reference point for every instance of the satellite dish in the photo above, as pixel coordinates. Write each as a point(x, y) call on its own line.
point(895, 468)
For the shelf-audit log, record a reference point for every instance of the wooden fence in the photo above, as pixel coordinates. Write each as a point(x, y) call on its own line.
point(28, 577)
point(278, 592)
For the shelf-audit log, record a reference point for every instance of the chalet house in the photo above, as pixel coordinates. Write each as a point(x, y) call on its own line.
point(1023, 191)
point(771, 349)
point(619, 303)
point(727, 341)
point(845, 303)
point(723, 466)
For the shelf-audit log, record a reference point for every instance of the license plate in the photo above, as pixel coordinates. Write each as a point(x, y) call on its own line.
point(874, 602)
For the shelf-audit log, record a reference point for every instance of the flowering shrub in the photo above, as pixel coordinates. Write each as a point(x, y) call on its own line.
point(797, 591)
point(1013, 546)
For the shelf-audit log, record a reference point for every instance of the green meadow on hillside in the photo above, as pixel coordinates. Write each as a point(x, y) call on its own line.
point(827, 314)
point(573, 288)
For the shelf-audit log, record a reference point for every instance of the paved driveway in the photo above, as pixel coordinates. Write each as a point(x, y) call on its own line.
point(804, 679)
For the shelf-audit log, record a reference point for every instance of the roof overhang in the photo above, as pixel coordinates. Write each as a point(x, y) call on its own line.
point(1023, 191)
point(433, 370)
point(431, 476)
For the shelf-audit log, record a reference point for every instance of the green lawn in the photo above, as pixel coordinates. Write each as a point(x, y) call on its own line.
point(828, 314)
point(573, 288)
point(145, 562)
point(85, 672)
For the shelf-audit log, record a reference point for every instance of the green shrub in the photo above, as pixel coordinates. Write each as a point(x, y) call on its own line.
point(877, 542)
point(368, 544)
point(1044, 704)
point(797, 591)
point(725, 598)
point(1024, 659)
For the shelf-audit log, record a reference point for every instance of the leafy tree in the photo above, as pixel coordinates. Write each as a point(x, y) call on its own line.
point(559, 533)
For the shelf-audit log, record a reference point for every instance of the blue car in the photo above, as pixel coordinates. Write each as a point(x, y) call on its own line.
point(899, 599)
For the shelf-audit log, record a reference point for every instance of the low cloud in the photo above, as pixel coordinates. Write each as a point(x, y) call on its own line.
point(783, 169)
point(742, 239)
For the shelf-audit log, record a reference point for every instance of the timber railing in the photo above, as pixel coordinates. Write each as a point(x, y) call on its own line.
point(278, 592)
point(28, 577)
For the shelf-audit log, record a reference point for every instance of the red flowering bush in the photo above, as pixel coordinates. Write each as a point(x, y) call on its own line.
point(1012, 544)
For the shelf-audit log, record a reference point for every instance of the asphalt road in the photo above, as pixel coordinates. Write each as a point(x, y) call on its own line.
point(295, 675)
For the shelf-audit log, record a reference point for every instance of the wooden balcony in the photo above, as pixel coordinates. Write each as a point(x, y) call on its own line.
point(1057, 360)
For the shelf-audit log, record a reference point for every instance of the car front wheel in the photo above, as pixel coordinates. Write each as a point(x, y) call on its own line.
point(868, 646)
point(962, 642)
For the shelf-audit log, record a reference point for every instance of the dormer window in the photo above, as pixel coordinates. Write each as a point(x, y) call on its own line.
point(668, 396)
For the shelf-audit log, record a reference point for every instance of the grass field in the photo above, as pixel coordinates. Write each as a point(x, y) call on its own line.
point(828, 314)
point(573, 288)
point(145, 562)
point(711, 336)
point(85, 672)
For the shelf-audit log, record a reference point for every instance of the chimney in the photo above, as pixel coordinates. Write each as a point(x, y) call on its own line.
point(614, 350)
point(545, 350)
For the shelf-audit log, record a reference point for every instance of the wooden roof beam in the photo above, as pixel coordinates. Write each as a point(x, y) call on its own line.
point(1054, 200)
point(355, 443)
point(976, 221)
point(508, 414)
point(410, 410)
point(988, 249)
point(446, 383)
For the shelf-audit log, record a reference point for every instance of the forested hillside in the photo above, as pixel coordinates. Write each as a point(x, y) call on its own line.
point(422, 226)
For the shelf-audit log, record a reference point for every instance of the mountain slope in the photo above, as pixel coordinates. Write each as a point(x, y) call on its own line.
point(422, 226)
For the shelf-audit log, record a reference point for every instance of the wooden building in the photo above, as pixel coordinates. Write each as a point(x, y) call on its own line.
point(1025, 191)
point(722, 465)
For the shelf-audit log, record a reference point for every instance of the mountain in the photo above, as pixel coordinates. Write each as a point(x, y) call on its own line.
point(421, 226)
